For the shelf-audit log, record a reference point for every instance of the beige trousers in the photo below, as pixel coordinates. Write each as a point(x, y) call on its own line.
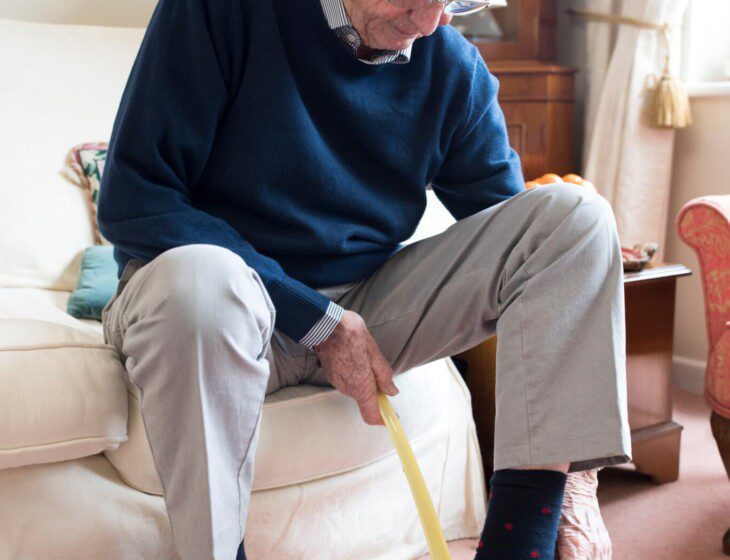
point(542, 269)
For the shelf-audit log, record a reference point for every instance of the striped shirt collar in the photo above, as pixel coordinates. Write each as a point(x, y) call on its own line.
point(339, 22)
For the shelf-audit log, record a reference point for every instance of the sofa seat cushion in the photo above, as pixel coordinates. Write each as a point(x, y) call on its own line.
point(324, 431)
point(62, 394)
point(306, 432)
point(309, 432)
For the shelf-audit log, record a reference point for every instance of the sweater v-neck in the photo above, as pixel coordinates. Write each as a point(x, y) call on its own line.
point(310, 13)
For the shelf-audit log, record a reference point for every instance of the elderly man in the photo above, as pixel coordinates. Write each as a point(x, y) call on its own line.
point(267, 161)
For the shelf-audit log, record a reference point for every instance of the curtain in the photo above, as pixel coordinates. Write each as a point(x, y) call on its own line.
point(629, 161)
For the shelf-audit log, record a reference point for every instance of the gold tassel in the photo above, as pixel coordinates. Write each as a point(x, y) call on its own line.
point(669, 105)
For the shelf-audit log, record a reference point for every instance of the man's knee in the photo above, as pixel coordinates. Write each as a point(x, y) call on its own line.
point(583, 211)
point(209, 287)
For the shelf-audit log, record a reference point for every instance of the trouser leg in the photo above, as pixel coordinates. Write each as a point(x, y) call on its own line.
point(543, 270)
point(194, 325)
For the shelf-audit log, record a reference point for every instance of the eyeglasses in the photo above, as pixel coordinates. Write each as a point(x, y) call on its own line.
point(451, 7)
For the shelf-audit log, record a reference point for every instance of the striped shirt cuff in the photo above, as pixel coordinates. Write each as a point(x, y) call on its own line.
point(324, 327)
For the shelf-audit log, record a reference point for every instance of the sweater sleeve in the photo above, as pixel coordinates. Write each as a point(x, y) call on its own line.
point(480, 168)
point(185, 72)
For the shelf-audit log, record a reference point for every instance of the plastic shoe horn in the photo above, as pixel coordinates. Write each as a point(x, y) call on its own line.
point(426, 512)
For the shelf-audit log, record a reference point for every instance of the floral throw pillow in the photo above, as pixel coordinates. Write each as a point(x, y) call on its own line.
point(83, 166)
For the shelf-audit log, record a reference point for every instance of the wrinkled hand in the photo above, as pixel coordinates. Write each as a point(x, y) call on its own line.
point(355, 366)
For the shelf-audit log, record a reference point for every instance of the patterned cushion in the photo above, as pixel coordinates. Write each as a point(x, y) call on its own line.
point(83, 166)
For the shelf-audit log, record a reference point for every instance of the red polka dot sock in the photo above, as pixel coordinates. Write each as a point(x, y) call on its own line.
point(522, 519)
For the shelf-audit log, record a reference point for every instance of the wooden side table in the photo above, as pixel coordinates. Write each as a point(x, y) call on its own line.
point(650, 297)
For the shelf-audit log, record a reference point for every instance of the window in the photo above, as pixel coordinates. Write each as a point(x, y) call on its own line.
point(706, 42)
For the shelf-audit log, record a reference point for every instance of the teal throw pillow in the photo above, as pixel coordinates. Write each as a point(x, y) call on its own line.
point(97, 283)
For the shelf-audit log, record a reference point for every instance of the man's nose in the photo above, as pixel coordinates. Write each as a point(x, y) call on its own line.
point(428, 19)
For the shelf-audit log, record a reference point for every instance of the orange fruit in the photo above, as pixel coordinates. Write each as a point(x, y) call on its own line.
point(549, 178)
point(531, 185)
point(573, 178)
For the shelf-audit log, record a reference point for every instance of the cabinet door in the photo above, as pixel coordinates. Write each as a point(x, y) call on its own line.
point(526, 126)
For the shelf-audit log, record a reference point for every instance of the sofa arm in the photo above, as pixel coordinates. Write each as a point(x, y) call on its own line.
point(704, 224)
point(62, 394)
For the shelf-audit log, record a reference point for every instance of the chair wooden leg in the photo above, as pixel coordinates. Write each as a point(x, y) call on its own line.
point(721, 431)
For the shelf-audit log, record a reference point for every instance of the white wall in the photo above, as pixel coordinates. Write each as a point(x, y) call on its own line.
point(117, 13)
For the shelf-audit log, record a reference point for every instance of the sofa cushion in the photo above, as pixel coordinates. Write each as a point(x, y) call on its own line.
point(57, 89)
point(318, 426)
point(96, 285)
point(323, 429)
point(62, 394)
point(84, 167)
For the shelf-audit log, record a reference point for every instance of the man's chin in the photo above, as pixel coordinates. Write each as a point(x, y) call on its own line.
point(394, 42)
point(400, 43)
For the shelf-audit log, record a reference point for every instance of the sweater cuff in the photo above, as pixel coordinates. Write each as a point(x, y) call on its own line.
point(324, 327)
point(298, 307)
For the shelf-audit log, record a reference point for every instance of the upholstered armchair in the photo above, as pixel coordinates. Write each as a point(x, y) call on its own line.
point(704, 224)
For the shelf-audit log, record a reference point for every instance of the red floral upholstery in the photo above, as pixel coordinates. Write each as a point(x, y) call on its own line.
point(704, 224)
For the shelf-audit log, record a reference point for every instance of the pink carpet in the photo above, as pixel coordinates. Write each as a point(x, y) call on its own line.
point(683, 520)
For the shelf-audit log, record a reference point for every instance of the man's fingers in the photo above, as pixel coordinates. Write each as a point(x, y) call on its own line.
point(385, 382)
point(370, 411)
point(382, 372)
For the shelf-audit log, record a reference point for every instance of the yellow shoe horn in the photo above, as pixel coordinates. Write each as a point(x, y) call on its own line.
point(426, 512)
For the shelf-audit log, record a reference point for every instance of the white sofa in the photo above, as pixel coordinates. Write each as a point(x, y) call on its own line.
point(76, 476)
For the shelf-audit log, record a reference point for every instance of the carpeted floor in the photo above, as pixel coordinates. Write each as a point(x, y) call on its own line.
point(683, 520)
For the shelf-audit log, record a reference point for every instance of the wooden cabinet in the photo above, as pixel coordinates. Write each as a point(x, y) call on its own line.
point(518, 43)
point(523, 30)
point(537, 100)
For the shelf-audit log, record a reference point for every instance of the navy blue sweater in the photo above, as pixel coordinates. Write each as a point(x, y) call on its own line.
point(247, 124)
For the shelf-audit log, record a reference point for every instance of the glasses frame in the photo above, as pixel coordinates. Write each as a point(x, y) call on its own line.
point(445, 4)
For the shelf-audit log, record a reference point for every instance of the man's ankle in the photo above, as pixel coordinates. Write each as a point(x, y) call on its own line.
point(523, 515)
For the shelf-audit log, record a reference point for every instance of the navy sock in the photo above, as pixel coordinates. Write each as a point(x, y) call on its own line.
point(241, 553)
point(523, 515)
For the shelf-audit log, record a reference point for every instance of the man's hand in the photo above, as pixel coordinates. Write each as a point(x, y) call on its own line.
point(355, 366)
